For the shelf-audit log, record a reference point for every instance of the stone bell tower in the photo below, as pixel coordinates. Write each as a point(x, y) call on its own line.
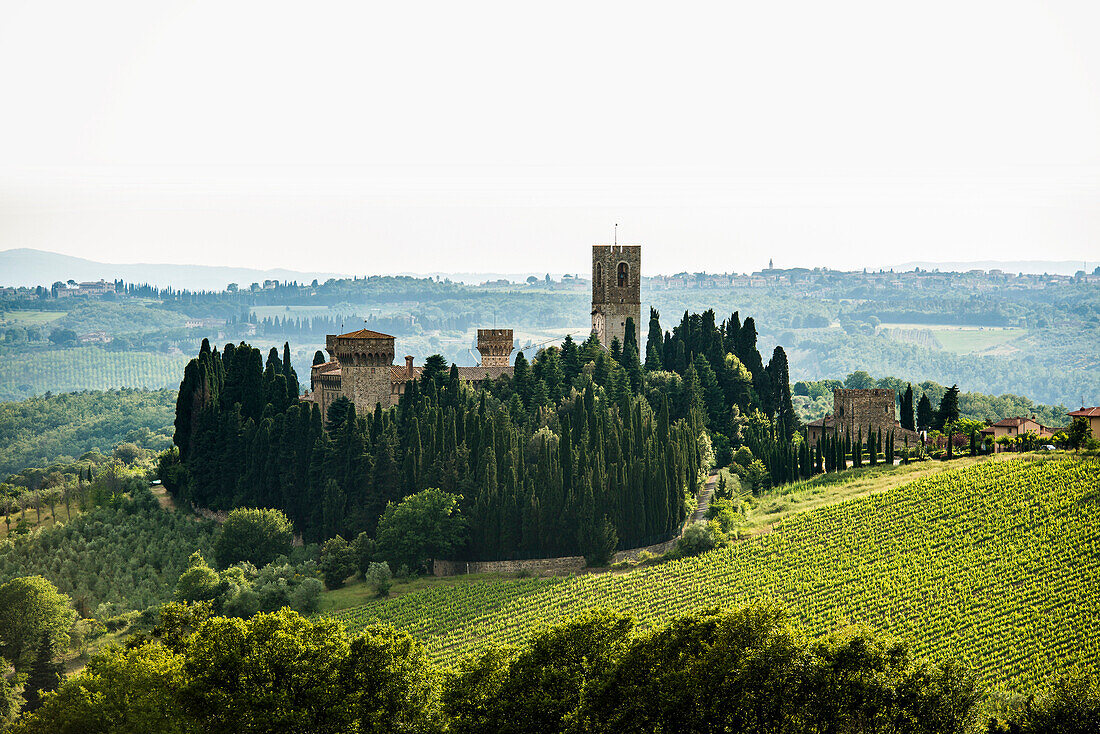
point(495, 346)
point(616, 291)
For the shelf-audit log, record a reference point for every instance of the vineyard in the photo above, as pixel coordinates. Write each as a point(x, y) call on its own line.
point(85, 368)
point(994, 565)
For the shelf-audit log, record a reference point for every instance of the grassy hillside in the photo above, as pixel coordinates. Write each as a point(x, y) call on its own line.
point(994, 564)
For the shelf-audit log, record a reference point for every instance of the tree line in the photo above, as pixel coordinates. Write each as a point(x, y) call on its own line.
point(564, 458)
point(738, 670)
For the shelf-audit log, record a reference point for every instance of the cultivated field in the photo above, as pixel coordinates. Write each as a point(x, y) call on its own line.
point(994, 564)
point(86, 368)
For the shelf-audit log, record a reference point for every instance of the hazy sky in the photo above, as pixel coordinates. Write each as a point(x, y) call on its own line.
point(383, 137)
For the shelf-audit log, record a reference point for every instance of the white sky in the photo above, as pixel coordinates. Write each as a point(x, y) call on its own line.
point(383, 137)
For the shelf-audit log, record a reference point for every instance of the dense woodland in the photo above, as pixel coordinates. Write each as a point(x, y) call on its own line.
point(57, 428)
point(581, 451)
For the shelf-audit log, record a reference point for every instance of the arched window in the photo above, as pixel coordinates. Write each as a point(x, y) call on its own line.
point(599, 274)
point(624, 275)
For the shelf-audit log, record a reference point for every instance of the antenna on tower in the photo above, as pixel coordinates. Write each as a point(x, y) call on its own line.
point(615, 240)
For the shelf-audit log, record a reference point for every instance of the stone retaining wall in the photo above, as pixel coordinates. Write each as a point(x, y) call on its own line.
point(535, 566)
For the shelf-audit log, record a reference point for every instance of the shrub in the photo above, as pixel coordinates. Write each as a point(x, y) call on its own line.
point(199, 582)
point(699, 537)
point(254, 535)
point(757, 477)
point(743, 457)
point(306, 596)
point(379, 576)
point(337, 562)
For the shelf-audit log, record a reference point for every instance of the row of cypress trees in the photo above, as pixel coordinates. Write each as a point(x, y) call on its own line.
point(559, 460)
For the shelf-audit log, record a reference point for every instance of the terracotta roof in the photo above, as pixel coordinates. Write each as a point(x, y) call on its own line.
point(398, 373)
point(1085, 413)
point(1009, 422)
point(364, 334)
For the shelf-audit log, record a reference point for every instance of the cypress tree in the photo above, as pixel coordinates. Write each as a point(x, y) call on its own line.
point(630, 335)
point(747, 352)
point(45, 674)
point(906, 418)
point(786, 418)
point(654, 342)
point(949, 408)
point(925, 416)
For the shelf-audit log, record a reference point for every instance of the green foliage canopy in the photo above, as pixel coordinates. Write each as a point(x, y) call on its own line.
point(254, 535)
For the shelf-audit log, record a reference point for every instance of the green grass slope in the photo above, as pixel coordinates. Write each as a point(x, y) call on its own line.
point(995, 565)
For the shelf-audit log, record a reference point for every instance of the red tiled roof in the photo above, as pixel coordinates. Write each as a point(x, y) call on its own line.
point(1009, 422)
point(364, 334)
point(1085, 413)
point(400, 374)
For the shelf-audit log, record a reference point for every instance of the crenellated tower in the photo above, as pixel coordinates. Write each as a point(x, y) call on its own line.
point(616, 291)
point(365, 359)
point(495, 346)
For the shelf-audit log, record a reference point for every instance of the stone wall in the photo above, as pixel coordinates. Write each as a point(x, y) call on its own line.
point(534, 566)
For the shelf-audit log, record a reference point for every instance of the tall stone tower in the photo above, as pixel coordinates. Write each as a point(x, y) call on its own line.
point(495, 346)
point(365, 359)
point(616, 291)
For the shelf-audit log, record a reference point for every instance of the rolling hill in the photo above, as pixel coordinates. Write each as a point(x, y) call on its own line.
point(994, 565)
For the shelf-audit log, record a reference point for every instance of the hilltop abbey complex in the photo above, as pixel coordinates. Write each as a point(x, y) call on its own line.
point(361, 367)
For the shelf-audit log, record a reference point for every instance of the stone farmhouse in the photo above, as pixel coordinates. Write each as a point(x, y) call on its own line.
point(1014, 427)
point(862, 410)
point(1092, 415)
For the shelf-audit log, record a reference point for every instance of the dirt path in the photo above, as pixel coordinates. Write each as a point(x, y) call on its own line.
point(703, 501)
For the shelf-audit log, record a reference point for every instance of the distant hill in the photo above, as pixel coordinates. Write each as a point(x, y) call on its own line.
point(26, 267)
point(1053, 267)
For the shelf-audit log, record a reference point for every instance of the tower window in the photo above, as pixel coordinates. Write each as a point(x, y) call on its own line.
point(624, 275)
point(599, 274)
